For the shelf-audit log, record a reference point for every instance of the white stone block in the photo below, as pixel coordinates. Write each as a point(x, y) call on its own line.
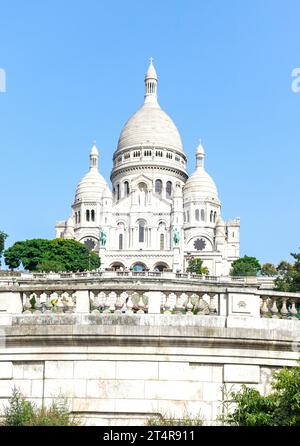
point(93, 405)
point(37, 388)
point(136, 405)
point(6, 387)
point(115, 388)
point(94, 369)
point(212, 391)
point(82, 302)
point(59, 369)
point(173, 390)
point(136, 370)
point(154, 301)
point(237, 373)
point(18, 370)
point(33, 370)
point(6, 370)
point(244, 304)
point(65, 387)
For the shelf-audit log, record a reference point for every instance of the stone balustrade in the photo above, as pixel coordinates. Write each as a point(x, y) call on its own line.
point(280, 305)
point(126, 292)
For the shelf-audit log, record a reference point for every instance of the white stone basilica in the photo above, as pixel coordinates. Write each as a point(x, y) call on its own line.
point(156, 217)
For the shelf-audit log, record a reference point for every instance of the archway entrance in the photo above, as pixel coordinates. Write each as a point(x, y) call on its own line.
point(139, 267)
point(116, 266)
point(161, 266)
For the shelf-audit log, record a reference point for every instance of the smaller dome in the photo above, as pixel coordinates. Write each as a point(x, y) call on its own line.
point(200, 185)
point(91, 186)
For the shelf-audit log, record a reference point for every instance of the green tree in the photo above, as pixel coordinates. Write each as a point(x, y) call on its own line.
point(195, 266)
point(280, 408)
point(268, 269)
point(3, 237)
point(245, 266)
point(288, 275)
point(51, 255)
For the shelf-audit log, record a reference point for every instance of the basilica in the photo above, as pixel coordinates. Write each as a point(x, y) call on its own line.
point(156, 217)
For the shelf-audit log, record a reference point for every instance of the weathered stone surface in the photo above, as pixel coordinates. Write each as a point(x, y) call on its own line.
point(136, 370)
point(236, 373)
point(6, 370)
point(115, 388)
point(69, 388)
point(59, 369)
point(173, 390)
point(95, 369)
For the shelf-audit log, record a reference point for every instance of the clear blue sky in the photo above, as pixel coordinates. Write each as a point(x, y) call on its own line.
point(75, 71)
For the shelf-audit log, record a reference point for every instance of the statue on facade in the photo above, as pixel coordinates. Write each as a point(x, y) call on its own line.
point(142, 196)
point(102, 237)
point(176, 236)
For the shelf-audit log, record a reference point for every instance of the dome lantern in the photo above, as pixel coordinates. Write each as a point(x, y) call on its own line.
point(151, 84)
point(200, 155)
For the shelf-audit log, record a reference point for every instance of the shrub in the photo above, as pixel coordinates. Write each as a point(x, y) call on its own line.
point(21, 412)
point(171, 420)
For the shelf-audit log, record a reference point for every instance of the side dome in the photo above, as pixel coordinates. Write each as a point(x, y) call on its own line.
point(92, 185)
point(200, 184)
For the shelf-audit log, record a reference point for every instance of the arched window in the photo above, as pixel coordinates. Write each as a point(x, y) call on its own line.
point(169, 189)
point(87, 215)
point(118, 192)
point(92, 215)
point(188, 216)
point(215, 217)
point(211, 216)
point(162, 242)
point(126, 188)
point(79, 216)
point(184, 218)
point(197, 214)
point(76, 218)
point(120, 241)
point(141, 231)
point(202, 215)
point(158, 186)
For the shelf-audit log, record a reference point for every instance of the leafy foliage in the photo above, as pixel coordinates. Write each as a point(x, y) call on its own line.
point(280, 408)
point(51, 255)
point(3, 237)
point(269, 269)
point(195, 266)
point(245, 266)
point(289, 275)
point(21, 412)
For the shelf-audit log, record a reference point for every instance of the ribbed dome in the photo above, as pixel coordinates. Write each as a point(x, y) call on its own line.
point(91, 186)
point(199, 185)
point(150, 125)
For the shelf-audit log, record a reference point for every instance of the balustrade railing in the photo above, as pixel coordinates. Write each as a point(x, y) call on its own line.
point(47, 302)
point(280, 306)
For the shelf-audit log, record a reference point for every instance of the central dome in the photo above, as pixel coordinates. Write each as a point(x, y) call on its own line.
point(150, 125)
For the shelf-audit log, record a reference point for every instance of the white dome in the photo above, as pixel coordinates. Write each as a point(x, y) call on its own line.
point(150, 125)
point(200, 185)
point(91, 186)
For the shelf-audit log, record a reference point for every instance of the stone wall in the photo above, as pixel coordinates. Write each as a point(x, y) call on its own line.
point(122, 369)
